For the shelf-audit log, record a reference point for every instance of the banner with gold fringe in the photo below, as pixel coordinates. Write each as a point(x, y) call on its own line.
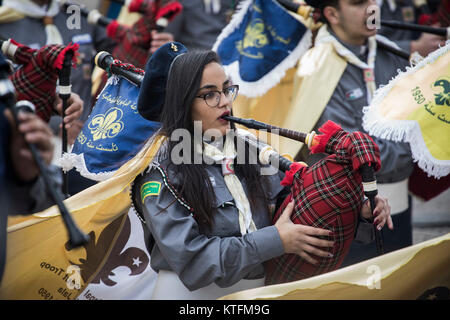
point(416, 272)
point(415, 107)
point(40, 265)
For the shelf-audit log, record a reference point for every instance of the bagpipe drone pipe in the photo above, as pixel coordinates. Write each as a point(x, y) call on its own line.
point(327, 195)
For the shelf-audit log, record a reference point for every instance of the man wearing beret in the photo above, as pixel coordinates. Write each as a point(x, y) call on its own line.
point(345, 53)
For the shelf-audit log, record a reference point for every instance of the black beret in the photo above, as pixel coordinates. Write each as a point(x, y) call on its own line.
point(153, 86)
point(319, 4)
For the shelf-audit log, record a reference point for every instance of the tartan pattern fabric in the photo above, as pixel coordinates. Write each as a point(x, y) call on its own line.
point(133, 43)
point(36, 80)
point(327, 195)
point(143, 6)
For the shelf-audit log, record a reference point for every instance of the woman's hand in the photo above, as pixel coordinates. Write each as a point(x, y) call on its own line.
point(382, 213)
point(34, 130)
point(301, 239)
point(159, 39)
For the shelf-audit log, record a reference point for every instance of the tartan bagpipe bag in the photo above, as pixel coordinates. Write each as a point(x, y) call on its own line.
point(36, 79)
point(327, 195)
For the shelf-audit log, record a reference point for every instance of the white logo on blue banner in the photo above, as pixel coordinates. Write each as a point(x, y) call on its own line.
point(259, 44)
point(113, 133)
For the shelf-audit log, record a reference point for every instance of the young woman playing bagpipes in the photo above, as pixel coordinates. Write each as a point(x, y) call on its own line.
point(210, 212)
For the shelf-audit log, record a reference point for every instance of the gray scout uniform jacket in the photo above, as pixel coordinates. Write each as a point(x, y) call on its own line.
point(221, 255)
point(346, 104)
point(200, 256)
point(198, 27)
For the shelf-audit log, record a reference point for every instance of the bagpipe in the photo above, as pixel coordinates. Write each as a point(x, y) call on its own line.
point(37, 79)
point(9, 95)
point(327, 195)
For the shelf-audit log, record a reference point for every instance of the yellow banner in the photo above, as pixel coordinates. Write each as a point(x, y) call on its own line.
point(421, 271)
point(40, 265)
point(415, 107)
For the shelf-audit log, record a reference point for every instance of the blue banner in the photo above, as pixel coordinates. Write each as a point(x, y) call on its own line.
point(260, 43)
point(113, 134)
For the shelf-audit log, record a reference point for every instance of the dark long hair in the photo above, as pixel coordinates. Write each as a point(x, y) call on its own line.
point(183, 83)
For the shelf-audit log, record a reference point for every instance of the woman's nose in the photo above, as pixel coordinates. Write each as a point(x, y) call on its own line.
point(224, 101)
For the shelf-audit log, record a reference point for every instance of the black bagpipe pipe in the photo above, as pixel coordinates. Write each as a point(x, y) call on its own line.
point(107, 62)
point(443, 32)
point(311, 139)
point(93, 17)
point(7, 94)
point(65, 91)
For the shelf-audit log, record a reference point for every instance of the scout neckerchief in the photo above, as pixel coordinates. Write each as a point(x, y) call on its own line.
point(324, 36)
point(31, 9)
point(232, 181)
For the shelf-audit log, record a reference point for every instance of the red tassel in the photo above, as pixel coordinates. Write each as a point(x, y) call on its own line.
point(16, 43)
point(169, 11)
point(424, 19)
point(135, 5)
point(328, 130)
point(58, 64)
point(111, 29)
point(289, 175)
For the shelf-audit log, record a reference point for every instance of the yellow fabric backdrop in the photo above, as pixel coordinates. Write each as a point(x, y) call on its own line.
point(38, 264)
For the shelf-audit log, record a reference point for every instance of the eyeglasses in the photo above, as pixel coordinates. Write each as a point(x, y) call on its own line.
point(212, 98)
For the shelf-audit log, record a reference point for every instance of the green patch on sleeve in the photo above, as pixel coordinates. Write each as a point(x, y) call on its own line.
point(151, 188)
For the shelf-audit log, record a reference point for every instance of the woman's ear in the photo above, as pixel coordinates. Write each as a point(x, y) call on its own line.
point(331, 14)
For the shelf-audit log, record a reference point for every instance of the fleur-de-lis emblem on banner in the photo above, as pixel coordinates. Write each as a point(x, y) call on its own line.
point(106, 125)
point(255, 35)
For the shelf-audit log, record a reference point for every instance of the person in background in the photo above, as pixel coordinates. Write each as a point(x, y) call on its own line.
point(37, 23)
point(366, 66)
point(409, 41)
point(22, 188)
point(201, 22)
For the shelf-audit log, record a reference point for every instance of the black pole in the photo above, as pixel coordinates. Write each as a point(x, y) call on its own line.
point(7, 94)
point(415, 27)
point(102, 20)
point(399, 52)
point(76, 236)
point(64, 94)
point(371, 191)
